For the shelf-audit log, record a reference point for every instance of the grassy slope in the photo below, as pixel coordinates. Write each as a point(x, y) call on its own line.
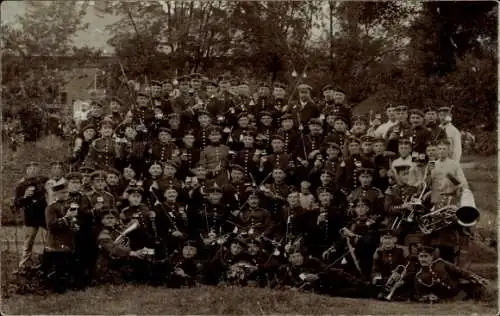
point(135, 300)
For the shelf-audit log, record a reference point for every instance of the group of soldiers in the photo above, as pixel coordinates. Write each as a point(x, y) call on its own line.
point(204, 183)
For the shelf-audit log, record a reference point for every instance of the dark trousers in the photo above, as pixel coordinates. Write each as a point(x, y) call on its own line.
point(58, 268)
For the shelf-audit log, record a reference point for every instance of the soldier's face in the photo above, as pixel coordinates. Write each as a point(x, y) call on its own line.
point(378, 148)
point(214, 197)
point(325, 178)
point(296, 259)
point(279, 93)
point(196, 84)
point(184, 86)
point(266, 120)
point(416, 120)
point(365, 179)
point(204, 120)
point(263, 91)
point(189, 252)
point(443, 115)
point(188, 140)
point(114, 106)
point(443, 151)
point(109, 221)
point(95, 111)
point(164, 137)
point(402, 115)
point(112, 179)
point(56, 171)
point(88, 134)
point(325, 198)
point(106, 131)
point(329, 95)
point(253, 201)
point(277, 145)
point(425, 259)
point(338, 97)
point(236, 249)
point(171, 195)
point(391, 114)
point(211, 90)
point(225, 86)
point(340, 126)
point(169, 171)
point(74, 185)
point(377, 120)
point(366, 147)
point(354, 148)
point(248, 141)
point(287, 124)
point(236, 175)
point(359, 128)
point(167, 88)
point(155, 90)
point(243, 122)
point(134, 198)
point(130, 133)
point(315, 129)
point(253, 249)
point(155, 170)
point(293, 199)
point(99, 184)
point(200, 172)
point(361, 209)
point(215, 137)
point(431, 152)
point(62, 194)
point(387, 242)
point(332, 152)
point(278, 175)
point(142, 101)
point(304, 94)
point(404, 175)
point(330, 120)
point(431, 117)
point(404, 150)
point(128, 173)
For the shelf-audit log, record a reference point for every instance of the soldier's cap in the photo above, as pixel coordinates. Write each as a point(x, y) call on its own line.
point(305, 184)
point(88, 126)
point(279, 85)
point(418, 112)
point(108, 211)
point(155, 163)
point(324, 190)
point(164, 130)
point(211, 83)
point(400, 168)
point(328, 172)
point(203, 112)
point(183, 79)
point(390, 106)
point(188, 132)
point(367, 139)
point(353, 139)
point(166, 81)
point(386, 232)
point(156, 83)
point(56, 163)
point(60, 184)
point(244, 82)
point(191, 243)
point(248, 132)
point(172, 162)
point(236, 167)
point(143, 93)
point(214, 129)
point(265, 113)
point(331, 142)
point(426, 249)
point(397, 163)
point(359, 118)
point(196, 76)
point(74, 175)
point(315, 121)
point(304, 86)
point(117, 100)
point(367, 167)
point(327, 87)
point(243, 115)
point(445, 108)
point(107, 123)
point(214, 189)
point(401, 107)
point(224, 78)
point(378, 140)
point(86, 170)
point(263, 84)
point(278, 136)
point(234, 82)
point(252, 191)
point(99, 174)
point(404, 140)
point(363, 201)
point(286, 116)
point(168, 187)
point(113, 171)
point(430, 108)
point(135, 189)
point(343, 118)
point(339, 89)
point(96, 103)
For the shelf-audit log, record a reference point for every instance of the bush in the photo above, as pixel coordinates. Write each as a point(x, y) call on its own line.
point(486, 143)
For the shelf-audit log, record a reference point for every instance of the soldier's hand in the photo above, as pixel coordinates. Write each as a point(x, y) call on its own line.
point(177, 234)
point(71, 213)
point(317, 164)
point(305, 163)
point(30, 191)
point(137, 254)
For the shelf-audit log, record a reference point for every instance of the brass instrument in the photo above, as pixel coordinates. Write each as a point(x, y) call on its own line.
point(411, 207)
point(393, 283)
point(123, 238)
point(465, 214)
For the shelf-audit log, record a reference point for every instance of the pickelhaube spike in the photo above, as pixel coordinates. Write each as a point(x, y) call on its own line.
point(304, 75)
point(252, 102)
point(294, 73)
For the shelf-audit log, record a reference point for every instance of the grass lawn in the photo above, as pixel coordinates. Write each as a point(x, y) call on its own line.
point(130, 299)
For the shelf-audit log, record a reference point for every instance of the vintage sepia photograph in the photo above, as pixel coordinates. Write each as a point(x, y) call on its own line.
point(181, 157)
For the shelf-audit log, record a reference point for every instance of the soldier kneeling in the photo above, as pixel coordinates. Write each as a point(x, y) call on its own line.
point(116, 259)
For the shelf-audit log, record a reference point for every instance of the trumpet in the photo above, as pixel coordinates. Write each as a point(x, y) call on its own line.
point(393, 283)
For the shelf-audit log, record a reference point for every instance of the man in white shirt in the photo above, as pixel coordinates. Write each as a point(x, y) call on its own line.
point(452, 133)
point(381, 131)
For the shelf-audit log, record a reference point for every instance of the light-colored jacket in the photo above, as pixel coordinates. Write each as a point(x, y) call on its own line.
point(455, 139)
point(440, 182)
point(381, 131)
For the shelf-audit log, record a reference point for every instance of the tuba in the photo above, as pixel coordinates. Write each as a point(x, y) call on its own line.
point(465, 214)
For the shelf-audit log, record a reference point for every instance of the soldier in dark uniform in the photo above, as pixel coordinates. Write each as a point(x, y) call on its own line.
point(103, 151)
point(116, 113)
point(367, 147)
point(247, 157)
point(142, 116)
point(366, 190)
point(386, 260)
point(94, 117)
point(266, 127)
point(186, 265)
point(164, 148)
point(82, 143)
point(133, 150)
point(264, 101)
point(86, 171)
point(62, 223)
point(182, 102)
point(202, 130)
point(234, 193)
point(420, 135)
point(288, 132)
point(30, 200)
point(176, 129)
point(359, 126)
point(399, 130)
point(99, 197)
point(189, 155)
point(334, 102)
point(313, 140)
point(306, 109)
point(432, 124)
point(113, 182)
point(235, 137)
point(276, 192)
point(338, 130)
point(215, 157)
point(347, 174)
point(279, 94)
point(253, 219)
